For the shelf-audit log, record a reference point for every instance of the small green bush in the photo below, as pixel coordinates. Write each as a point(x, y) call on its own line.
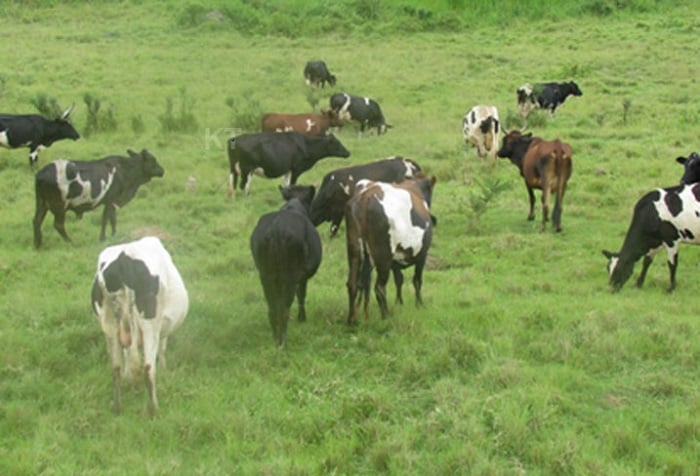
point(182, 121)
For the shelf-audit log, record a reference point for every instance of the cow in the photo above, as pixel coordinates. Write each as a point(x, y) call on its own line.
point(310, 124)
point(389, 227)
point(481, 128)
point(691, 168)
point(139, 299)
point(662, 219)
point(365, 111)
point(277, 153)
point(35, 131)
point(544, 165)
point(544, 96)
point(81, 186)
point(316, 72)
point(287, 252)
point(339, 185)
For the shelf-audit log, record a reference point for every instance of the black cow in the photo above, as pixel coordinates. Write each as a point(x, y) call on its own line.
point(366, 111)
point(691, 165)
point(545, 96)
point(35, 131)
point(316, 72)
point(276, 154)
point(287, 252)
point(662, 219)
point(81, 186)
point(339, 185)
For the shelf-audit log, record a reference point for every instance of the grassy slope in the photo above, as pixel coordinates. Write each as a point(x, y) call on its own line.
point(522, 359)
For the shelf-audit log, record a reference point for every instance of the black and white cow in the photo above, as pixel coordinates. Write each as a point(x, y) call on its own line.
point(35, 131)
point(389, 227)
point(316, 72)
point(81, 186)
point(545, 96)
point(139, 299)
point(365, 111)
point(339, 185)
point(691, 168)
point(481, 128)
point(662, 219)
point(287, 252)
point(274, 154)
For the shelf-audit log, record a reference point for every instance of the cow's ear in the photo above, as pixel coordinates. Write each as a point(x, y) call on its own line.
point(529, 134)
point(433, 179)
point(131, 153)
point(681, 160)
point(609, 254)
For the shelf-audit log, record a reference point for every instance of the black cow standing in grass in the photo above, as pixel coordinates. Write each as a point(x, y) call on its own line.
point(662, 219)
point(81, 186)
point(275, 154)
point(316, 72)
point(545, 96)
point(287, 252)
point(366, 111)
point(35, 131)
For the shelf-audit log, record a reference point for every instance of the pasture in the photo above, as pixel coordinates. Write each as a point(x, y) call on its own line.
point(521, 362)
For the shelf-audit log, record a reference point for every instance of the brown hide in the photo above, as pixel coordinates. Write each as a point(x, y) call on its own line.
point(309, 124)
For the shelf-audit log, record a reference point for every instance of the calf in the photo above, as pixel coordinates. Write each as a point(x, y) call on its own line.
point(316, 72)
point(544, 165)
point(139, 299)
point(691, 168)
point(339, 185)
point(365, 111)
point(662, 219)
point(277, 153)
point(308, 124)
point(545, 96)
point(35, 131)
point(481, 127)
point(389, 227)
point(82, 186)
point(287, 252)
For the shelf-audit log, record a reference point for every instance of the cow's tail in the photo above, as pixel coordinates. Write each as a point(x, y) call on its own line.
point(562, 169)
point(235, 168)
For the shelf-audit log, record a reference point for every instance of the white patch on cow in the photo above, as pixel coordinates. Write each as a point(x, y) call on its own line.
point(687, 219)
point(343, 113)
point(612, 264)
point(345, 188)
point(287, 178)
point(4, 141)
point(86, 194)
point(310, 125)
point(366, 101)
point(410, 168)
point(403, 233)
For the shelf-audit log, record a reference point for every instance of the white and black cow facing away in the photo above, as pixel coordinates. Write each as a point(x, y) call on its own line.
point(316, 72)
point(365, 111)
point(139, 299)
point(544, 96)
point(287, 252)
point(662, 219)
point(481, 128)
point(691, 168)
point(35, 131)
point(389, 227)
point(274, 154)
point(81, 186)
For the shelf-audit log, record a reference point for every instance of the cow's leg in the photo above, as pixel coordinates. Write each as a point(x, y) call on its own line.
point(354, 264)
point(398, 282)
point(301, 298)
point(672, 265)
point(531, 195)
point(418, 280)
point(59, 221)
point(645, 267)
point(39, 215)
point(245, 182)
point(151, 336)
point(108, 214)
point(556, 212)
point(114, 351)
point(33, 154)
point(365, 282)
point(380, 289)
point(545, 203)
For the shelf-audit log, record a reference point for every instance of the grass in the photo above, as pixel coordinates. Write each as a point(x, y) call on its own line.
point(522, 360)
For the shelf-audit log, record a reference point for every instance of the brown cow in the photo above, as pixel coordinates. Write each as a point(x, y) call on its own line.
point(388, 226)
point(545, 165)
point(310, 124)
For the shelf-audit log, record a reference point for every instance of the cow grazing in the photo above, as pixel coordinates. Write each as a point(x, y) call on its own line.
point(287, 252)
point(316, 72)
point(310, 124)
point(388, 227)
point(691, 168)
point(545, 165)
point(339, 185)
point(545, 96)
point(481, 128)
point(662, 218)
point(277, 153)
point(35, 131)
point(83, 185)
point(139, 299)
point(365, 111)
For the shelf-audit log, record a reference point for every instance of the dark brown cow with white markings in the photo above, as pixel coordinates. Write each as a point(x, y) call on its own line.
point(310, 124)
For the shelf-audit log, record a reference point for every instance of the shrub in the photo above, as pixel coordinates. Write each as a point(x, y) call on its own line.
point(45, 105)
point(184, 120)
point(96, 121)
point(245, 112)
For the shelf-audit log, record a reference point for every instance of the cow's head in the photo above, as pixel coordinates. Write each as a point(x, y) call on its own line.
point(574, 89)
point(511, 140)
point(65, 128)
point(619, 272)
point(329, 203)
point(303, 193)
point(149, 165)
point(335, 148)
point(334, 119)
point(691, 174)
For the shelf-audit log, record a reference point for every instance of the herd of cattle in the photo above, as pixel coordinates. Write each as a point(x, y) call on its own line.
point(139, 296)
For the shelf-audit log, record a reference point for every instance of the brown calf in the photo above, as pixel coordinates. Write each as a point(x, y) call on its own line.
point(310, 124)
point(545, 165)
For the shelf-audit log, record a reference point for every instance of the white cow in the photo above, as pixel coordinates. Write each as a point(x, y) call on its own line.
point(481, 128)
point(139, 299)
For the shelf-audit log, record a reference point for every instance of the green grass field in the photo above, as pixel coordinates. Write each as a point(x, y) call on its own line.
point(522, 361)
